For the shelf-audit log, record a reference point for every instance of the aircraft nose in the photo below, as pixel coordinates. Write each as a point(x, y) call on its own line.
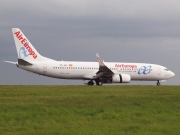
point(172, 74)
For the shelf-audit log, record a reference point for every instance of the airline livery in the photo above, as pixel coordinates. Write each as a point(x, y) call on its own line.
point(95, 72)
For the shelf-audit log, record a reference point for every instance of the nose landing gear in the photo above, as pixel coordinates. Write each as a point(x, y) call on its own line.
point(158, 83)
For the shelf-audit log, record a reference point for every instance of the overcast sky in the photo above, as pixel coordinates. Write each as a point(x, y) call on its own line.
point(145, 31)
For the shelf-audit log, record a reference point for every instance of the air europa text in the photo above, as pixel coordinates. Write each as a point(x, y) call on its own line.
point(25, 43)
point(125, 66)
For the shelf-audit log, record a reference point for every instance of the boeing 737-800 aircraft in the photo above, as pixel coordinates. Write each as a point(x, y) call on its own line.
point(96, 72)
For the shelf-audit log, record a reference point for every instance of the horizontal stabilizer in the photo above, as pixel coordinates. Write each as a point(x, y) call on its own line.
point(10, 62)
point(23, 62)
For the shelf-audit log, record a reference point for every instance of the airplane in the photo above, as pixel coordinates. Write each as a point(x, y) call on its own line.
point(95, 72)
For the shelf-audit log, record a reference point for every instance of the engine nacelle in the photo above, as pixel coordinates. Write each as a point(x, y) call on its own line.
point(121, 78)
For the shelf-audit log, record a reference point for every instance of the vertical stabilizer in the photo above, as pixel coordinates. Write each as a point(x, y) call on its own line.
point(25, 49)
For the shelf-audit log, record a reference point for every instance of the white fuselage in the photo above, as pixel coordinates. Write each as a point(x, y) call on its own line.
point(87, 70)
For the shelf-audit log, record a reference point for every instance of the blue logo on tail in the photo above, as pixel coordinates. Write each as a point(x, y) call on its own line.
point(23, 53)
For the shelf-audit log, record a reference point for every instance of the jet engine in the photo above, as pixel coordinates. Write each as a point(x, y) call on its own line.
point(121, 78)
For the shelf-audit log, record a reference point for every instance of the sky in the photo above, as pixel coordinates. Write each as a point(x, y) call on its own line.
point(141, 31)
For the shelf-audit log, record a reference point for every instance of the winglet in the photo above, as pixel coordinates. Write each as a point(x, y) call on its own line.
point(103, 68)
point(101, 63)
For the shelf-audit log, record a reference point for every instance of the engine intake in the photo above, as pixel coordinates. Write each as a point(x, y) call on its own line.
point(121, 78)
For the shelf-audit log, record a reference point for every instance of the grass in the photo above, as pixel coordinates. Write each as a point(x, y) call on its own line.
point(86, 110)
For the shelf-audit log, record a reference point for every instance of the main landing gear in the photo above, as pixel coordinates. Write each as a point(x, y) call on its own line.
point(98, 82)
point(91, 83)
point(158, 83)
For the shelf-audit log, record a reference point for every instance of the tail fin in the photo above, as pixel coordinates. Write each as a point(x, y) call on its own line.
point(25, 49)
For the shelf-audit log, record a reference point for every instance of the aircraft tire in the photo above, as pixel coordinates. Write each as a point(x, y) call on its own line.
point(98, 82)
point(91, 83)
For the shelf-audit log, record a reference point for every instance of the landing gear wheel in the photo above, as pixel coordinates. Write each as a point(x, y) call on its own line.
point(158, 83)
point(98, 82)
point(91, 83)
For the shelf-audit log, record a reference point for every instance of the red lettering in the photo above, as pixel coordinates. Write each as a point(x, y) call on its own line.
point(20, 37)
point(25, 43)
point(117, 65)
point(17, 33)
point(32, 53)
point(29, 50)
point(125, 66)
point(35, 56)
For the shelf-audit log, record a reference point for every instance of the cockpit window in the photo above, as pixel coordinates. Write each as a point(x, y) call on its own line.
point(166, 69)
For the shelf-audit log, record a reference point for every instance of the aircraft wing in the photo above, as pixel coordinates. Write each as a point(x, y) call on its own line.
point(104, 71)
